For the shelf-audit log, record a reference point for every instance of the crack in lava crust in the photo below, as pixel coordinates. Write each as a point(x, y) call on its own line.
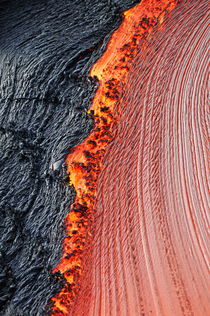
point(85, 160)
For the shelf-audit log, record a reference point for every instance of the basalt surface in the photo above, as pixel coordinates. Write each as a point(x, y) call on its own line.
point(46, 51)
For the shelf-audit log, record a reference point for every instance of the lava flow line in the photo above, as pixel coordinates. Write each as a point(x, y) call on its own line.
point(84, 161)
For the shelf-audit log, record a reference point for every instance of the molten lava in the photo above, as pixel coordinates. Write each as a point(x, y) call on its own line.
point(85, 161)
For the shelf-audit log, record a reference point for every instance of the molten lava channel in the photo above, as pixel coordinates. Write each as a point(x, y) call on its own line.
point(85, 161)
point(151, 244)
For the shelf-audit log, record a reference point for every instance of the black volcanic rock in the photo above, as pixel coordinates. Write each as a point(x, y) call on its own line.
point(46, 51)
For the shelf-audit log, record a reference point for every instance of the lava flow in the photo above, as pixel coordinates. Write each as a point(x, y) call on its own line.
point(85, 161)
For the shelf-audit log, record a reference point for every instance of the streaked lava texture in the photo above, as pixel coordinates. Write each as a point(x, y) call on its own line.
point(136, 234)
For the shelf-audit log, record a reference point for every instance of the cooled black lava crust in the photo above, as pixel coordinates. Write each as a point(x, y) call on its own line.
point(46, 51)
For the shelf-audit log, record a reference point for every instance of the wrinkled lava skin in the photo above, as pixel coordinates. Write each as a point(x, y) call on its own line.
point(150, 248)
point(46, 51)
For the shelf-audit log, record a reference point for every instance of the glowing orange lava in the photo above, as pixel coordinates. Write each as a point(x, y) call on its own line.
point(85, 161)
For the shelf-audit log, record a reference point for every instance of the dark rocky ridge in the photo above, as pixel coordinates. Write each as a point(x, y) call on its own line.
point(46, 51)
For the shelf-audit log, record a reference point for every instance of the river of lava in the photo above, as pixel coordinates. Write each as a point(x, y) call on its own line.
point(85, 161)
point(151, 242)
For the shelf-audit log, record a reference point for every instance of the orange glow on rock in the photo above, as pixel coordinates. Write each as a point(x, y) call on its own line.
point(85, 161)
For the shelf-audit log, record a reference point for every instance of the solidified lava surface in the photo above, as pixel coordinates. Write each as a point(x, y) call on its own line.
point(46, 51)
